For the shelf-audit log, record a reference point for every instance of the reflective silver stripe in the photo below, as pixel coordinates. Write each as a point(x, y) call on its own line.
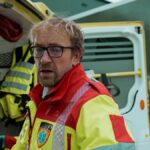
point(58, 137)
point(25, 65)
point(19, 74)
point(15, 85)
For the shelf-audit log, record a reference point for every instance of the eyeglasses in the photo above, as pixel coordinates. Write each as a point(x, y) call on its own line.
point(52, 50)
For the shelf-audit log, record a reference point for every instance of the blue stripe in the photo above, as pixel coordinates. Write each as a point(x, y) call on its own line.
point(19, 74)
point(2, 141)
point(119, 146)
point(25, 65)
point(15, 85)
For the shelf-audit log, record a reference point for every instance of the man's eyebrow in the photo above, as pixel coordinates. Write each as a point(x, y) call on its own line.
point(51, 44)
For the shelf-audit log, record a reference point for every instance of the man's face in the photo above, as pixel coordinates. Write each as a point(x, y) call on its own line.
point(51, 70)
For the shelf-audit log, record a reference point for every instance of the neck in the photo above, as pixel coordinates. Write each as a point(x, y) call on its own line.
point(45, 91)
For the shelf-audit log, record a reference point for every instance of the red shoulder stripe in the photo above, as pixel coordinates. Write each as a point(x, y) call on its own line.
point(120, 131)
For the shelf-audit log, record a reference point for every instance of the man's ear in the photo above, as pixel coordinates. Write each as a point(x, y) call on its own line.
point(76, 57)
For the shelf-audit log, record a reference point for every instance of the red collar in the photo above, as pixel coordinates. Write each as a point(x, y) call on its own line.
point(68, 83)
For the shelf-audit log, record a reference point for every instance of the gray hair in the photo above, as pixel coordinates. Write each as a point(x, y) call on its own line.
point(70, 27)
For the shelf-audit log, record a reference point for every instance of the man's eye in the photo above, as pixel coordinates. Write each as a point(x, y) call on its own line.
point(55, 49)
point(39, 49)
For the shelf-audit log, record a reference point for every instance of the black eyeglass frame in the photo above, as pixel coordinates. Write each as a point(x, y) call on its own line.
point(46, 49)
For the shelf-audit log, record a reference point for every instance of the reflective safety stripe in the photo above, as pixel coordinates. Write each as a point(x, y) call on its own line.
point(58, 137)
point(19, 78)
point(19, 74)
point(25, 65)
point(15, 85)
point(119, 146)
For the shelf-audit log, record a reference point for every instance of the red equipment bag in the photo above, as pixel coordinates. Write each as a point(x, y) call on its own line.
point(10, 30)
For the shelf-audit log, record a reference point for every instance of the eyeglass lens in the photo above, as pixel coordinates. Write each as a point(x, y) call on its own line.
point(53, 51)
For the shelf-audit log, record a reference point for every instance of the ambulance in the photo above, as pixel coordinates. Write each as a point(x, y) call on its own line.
point(115, 54)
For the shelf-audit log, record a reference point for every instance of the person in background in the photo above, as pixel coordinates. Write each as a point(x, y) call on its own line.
point(68, 111)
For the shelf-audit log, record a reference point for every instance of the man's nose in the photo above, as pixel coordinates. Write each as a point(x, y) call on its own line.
point(46, 58)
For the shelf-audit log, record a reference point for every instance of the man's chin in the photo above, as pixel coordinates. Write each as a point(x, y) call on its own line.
point(47, 83)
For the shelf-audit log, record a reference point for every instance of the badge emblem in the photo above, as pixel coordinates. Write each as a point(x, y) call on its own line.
point(43, 133)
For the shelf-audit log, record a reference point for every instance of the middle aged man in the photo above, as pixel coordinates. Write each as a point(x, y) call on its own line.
point(68, 111)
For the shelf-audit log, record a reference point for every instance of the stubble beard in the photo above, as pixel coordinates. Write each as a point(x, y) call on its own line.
point(49, 82)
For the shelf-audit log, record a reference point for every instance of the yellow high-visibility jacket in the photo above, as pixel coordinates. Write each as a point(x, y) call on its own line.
point(78, 114)
point(17, 84)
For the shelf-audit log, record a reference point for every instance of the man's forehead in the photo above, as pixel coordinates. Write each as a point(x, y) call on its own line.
point(51, 30)
point(52, 35)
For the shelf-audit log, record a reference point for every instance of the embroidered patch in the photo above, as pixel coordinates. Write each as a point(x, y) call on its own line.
point(43, 133)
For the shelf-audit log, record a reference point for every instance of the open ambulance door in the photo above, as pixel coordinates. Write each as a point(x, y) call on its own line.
point(24, 13)
point(16, 18)
point(115, 54)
